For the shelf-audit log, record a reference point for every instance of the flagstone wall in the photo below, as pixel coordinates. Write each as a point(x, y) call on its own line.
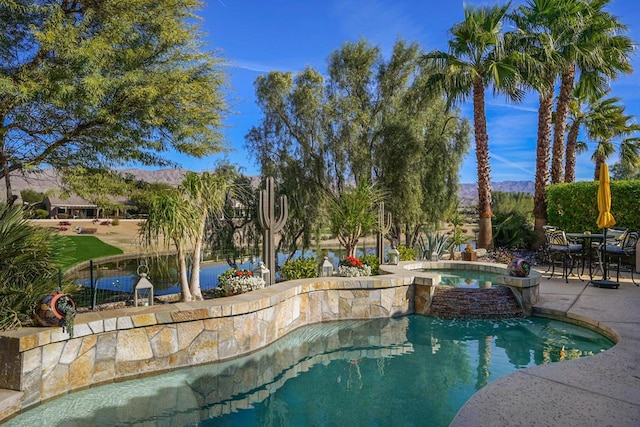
point(41, 363)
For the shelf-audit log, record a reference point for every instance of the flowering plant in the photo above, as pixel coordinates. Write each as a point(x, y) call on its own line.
point(234, 282)
point(352, 267)
point(351, 261)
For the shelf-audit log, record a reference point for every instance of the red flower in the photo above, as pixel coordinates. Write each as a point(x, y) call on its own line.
point(249, 272)
point(239, 273)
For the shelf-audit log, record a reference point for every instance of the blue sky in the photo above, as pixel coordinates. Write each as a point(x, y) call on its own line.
point(256, 37)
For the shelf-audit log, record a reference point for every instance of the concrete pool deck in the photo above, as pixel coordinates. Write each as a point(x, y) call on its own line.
point(592, 391)
point(598, 390)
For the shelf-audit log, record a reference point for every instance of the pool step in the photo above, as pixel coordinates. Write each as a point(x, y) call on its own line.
point(472, 303)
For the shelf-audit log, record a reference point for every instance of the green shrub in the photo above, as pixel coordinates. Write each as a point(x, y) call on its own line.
point(406, 254)
point(301, 268)
point(372, 261)
point(39, 214)
point(28, 265)
point(115, 221)
point(574, 206)
point(513, 230)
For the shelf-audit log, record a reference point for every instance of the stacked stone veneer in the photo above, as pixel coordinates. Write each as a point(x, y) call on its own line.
point(41, 363)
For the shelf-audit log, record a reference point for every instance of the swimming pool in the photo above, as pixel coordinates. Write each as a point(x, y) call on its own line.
point(399, 371)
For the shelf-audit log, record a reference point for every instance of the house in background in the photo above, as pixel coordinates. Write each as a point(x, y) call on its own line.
point(71, 207)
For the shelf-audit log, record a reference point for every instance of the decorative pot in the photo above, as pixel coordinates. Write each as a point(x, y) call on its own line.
point(519, 268)
point(54, 309)
point(469, 256)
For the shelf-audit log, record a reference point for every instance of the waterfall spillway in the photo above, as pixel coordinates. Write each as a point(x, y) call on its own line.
point(463, 303)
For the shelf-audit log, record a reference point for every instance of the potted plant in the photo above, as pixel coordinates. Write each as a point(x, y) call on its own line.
point(469, 253)
point(235, 282)
point(352, 266)
point(57, 309)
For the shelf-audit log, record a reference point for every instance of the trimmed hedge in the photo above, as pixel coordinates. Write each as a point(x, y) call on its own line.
point(574, 206)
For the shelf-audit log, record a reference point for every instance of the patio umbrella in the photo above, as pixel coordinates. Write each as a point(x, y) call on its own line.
point(605, 220)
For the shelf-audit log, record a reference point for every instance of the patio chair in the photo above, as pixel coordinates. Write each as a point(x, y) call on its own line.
point(560, 247)
point(546, 254)
point(614, 237)
point(623, 251)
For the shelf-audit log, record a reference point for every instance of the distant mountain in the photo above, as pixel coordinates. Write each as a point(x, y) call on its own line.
point(48, 181)
point(468, 193)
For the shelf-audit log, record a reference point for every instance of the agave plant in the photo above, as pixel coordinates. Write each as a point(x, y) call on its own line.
point(434, 245)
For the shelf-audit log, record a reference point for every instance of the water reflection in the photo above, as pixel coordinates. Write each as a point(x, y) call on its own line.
point(407, 371)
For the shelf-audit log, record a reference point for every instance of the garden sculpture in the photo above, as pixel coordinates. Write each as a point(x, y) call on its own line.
point(383, 228)
point(270, 225)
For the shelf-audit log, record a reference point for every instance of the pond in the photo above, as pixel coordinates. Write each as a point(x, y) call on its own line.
point(405, 371)
point(121, 276)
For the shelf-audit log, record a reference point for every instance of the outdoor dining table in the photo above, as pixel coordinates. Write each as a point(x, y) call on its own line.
point(586, 238)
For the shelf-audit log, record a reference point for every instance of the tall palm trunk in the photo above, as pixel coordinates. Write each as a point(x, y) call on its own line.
point(542, 163)
point(560, 125)
point(485, 234)
point(572, 144)
point(599, 160)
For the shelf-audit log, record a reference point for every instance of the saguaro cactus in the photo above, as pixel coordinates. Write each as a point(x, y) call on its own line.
point(383, 228)
point(270, 225)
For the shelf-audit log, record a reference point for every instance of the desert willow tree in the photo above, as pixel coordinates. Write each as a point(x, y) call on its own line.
point(419, 166)
point(475, 61)
point(365, 121)
point(103, 83)
point(179, 218)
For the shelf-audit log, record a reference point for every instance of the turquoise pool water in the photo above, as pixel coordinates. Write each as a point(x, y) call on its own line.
point(405, 371)
point(461, 278)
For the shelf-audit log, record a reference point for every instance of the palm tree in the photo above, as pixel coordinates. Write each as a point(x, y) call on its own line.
point(584, 112)
point(179, 217)
point(207, 193)
point(476, 60)
point(539, 62)
point(591, 42)
point(611, 125)
point(172, 221)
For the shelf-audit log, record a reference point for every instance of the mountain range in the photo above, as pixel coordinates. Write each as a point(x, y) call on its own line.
point(47, 181)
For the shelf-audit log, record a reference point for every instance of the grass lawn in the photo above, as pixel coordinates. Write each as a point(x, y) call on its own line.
point(85, 248)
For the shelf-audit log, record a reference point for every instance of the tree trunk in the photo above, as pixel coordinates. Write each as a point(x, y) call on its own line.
point(7, 180)
point(542, 163)
point(182, 271)
point(596, 173)
point(570, 161)
point(485, 235)
point(560, 124)
point(194, 284)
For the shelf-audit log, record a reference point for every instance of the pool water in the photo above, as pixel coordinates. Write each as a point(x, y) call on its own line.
point(460, 278)
point(405, 371)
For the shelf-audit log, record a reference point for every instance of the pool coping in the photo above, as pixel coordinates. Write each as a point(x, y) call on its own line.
point(588, 391)
point(596, 390)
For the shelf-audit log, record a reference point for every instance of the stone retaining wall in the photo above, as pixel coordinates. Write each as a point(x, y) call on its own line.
point(42, 363)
